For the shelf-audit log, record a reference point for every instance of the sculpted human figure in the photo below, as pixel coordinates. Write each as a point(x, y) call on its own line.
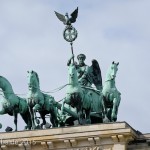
point(80, 94)
point(82, 70)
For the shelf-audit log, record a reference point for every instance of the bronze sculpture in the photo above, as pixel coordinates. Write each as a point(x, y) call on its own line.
point(111, 95)
point(65, 18)
point(39, 101)
point(92, 104)
point(14, 104)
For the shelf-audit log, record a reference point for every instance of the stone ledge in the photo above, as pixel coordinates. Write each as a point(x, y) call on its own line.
point(100, 135)
point(66, 130)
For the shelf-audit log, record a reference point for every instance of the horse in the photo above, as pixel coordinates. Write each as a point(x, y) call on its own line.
point(80, 97)
point(13, 104)
point(111, 96)
point(39, 101)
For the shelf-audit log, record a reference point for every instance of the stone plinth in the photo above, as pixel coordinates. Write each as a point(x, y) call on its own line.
point(111, 136)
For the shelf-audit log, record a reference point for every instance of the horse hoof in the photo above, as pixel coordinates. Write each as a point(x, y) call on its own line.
point(106, 120)
point(37, 121)
point(88, 121)
point(34, 127)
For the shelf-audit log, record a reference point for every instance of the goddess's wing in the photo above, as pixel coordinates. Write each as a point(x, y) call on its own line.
point(95, 73)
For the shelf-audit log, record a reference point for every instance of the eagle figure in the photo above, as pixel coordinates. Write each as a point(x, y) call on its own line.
point(66, 19)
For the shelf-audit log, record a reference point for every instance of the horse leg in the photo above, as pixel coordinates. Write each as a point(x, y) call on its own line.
point(36, 108)
point(105, 115)
point(27, 119)
point(43, 118)
point(109, 114)
point(114, 110)
point(53, 117)
point(80, 116)
point(103, 108)
point(15, 120)
point(88, 118)
point(62, 107)
point(118, 103)
point(32, 117)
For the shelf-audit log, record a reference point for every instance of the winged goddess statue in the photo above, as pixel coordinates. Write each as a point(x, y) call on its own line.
point(70, 33)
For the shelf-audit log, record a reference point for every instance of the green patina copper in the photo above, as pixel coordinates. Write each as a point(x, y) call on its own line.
point(87, 75)
point(111, 95)
point(83, 102)
point(75, 96)
point(84, 98)
point(66, 115)
point(12, 104)
point(70, 33)
point(1, 125)
point(80, 93)
point(38, 101)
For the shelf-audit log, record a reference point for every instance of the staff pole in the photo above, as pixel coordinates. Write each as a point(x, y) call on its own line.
point(72, 51)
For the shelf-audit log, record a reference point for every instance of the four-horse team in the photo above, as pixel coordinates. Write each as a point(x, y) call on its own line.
point(86, 99)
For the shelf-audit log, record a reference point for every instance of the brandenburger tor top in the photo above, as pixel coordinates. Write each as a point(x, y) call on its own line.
point(84, 120)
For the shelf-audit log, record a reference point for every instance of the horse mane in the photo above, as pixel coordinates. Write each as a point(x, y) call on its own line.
point(3, 78)
point(6, 83)
point(6, 80)
point(37, 77)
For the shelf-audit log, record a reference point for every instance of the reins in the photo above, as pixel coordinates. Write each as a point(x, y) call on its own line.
point(52, 91)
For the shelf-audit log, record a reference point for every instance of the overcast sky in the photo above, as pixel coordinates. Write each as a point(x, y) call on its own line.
point(31, 39)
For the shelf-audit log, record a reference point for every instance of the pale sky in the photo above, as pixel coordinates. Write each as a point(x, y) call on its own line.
point(112, 30)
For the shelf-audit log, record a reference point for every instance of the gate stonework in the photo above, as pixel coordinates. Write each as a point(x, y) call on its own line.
point(110, 136)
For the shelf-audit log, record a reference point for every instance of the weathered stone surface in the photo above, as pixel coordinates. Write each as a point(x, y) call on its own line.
point(111, 136)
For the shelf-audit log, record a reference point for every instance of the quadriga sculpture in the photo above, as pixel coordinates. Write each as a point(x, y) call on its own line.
point(81, 98)
point(39, 101)
point(111, 96)
point(13, 104)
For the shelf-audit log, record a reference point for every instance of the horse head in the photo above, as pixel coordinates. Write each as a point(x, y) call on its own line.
point(73, 79)
point(33, 79)
point(112, 71)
